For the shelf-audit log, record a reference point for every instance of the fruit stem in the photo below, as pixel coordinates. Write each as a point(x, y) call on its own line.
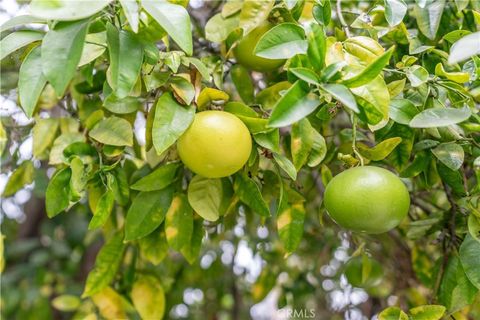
point(354, 139)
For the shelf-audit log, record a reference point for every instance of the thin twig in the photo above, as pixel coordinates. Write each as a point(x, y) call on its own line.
point(342, 19)
point(354, 139)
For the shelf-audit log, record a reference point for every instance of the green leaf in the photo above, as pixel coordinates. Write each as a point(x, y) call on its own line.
point(218, 28)
point(154, 247)
point(159, 179)
point(106, 265)
point(322, 12)
point(451, 154)
point(301, 142)
point(268, 97)
point(57, 193)
point(113, 131)
point(294, 105)
point(306, 75)
point(474, 226)
point(381, 150)
point(66, 9)
point(290, 219)
point(104, 206)
point(366, 49)
point(179, 222)
point(61, 52)
point(243, 83)
point(95, 46)
point(199, 65)
point(253, 13)
point(400, 156)
point(131, 11)
point(126, 56)
point(470, 259)
point(392, 313)
point(17, 40)
point(192, 249)
point(452, 178)
point(418, 165)
point(342, 94)
point(374, 100)
point(455, 291)
point(22, 176)
point(31, 81)
point(440, 117)
point(417, 75)
point(147, 212)
point(174, 19)
point(428, 18)
point(249, 193)
point(121, 186)
point(317, 47)
point(171, 121)
point(269, 140)
point(77, 179)
point(370, 72)
point(148, 297)
point(282, 42)
point(183, 89)
point(319, 149)
point(427, 312)
point(254, 124)
point(20, 21)
point(240, 109)
point(402, 111)
point(122, 106)
point(205, 197)
point(396, 87)
point(44, 132)
point(286, 165)
point(63, 141)
point(465, 48)
point(395, 11)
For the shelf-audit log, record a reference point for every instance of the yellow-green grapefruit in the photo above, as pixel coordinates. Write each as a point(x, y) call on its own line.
point(367, 199)
point(217, 144)
point(244, 51)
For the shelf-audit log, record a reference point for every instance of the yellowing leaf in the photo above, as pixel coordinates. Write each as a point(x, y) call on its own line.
point(110, 304)
point(381, 150)
point(459, 77)
point(148, 297)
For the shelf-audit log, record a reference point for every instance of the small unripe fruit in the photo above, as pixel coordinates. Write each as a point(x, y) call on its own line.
point(217, 144)
point(367, 199)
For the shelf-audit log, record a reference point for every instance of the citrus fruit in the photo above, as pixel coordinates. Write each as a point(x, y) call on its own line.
point(367, 199)
point(217, 144)
point(244, 51)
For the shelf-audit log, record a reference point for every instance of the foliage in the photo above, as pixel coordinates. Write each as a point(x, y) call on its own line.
point(108, 88)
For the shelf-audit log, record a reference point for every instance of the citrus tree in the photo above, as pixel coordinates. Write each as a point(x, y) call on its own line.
point(199, 160)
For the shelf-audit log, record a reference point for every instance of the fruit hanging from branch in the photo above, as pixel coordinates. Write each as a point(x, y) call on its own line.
point(367, 199)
